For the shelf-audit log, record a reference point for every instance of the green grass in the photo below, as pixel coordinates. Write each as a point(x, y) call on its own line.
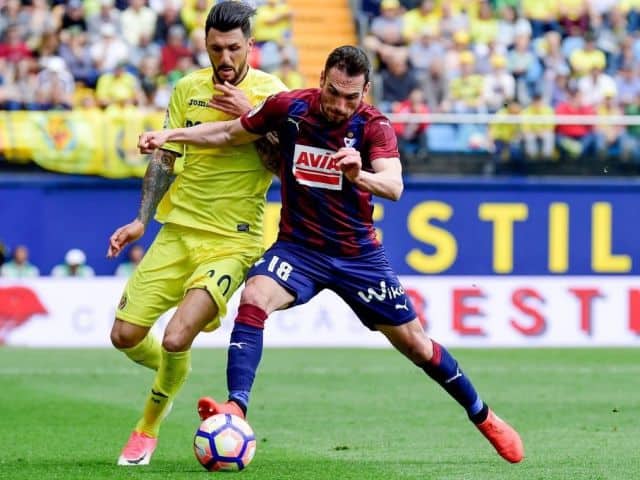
point(330, 414)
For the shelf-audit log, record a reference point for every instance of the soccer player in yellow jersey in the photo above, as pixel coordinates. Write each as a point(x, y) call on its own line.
point(212, 215)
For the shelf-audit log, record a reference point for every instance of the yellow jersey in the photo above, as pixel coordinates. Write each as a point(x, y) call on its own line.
point(220, 190)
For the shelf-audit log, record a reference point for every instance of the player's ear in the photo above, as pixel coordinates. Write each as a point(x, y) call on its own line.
point(366, 88)
point(322, 79)
point(250, 42)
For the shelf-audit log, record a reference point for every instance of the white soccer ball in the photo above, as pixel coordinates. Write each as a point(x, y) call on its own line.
point(224, 442)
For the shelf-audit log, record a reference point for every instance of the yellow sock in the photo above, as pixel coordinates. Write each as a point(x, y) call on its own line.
point(146, 353)
point(173, 371)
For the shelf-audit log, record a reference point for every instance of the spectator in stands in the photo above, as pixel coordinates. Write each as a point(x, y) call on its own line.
point(484, 28)
point(74, 265)
point(417, 19)
point(289, 75)
point(593, 86)
point(168, 17)
point(55, 85)
point(525, 68)
point(12, 15)
point(424, 49)
point(398, 80)
point(575, 141)
point(585, 59)
point(610, 137)
point(506, 138)
point(558, 91)
point(21, 90)
point(452, 21)
point(135, 254)
point(193, 15)
point(118, 86)
point(465, 91)
point(273, 22)
point(435, 85)
point(107, 13)
point(109, 50)
point(175, 49)
point(150, 80)
point(146, 48)
point(499, 86)
point(77, 56)
point(40, 19)
point(74, 16)
point(198, 43)
point(631, 140)
point(136, 21)
point(573, 14)
point(13, 49)
point(549, 51)
point(627, 84)
point(412, 140)
point(542, 14)
point(510, 26)
point(19, 265)
point(539, 139)
point(388, 27)
point(452, 64)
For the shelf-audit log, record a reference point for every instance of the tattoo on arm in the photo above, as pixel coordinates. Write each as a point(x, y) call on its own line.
point(156, 182)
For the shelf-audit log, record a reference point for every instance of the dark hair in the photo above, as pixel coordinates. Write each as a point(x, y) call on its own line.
point(351, 60)
point(229, 15)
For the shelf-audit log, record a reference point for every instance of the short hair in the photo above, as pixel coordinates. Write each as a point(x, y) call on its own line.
point(229, 15)
point(351, 60)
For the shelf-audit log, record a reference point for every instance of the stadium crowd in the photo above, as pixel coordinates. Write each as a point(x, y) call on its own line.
point(526, 57)
point(109, 53)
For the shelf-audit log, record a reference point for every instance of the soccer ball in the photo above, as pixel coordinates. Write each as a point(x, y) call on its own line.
point(224, 442)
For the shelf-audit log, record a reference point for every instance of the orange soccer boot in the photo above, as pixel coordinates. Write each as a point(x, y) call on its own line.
point(208, 407)
point(503, 437)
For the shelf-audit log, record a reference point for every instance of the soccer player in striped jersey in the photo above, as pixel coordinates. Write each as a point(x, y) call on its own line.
point(212, 215)
point(336, 152)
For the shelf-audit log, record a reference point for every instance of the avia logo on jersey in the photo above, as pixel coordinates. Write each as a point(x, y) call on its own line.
point(384, 293)
point(315, 167)
point(198, 103)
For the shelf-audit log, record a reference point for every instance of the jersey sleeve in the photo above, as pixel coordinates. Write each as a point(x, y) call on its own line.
point(175, 116)
point(264, 117)
point(381, 139)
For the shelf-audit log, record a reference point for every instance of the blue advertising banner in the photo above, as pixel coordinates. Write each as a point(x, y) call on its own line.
point(452, 227)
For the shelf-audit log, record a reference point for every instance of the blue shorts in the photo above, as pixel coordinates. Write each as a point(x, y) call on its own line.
point(366, 282)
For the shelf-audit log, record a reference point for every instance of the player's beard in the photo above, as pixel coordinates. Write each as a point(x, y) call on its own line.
point(226, 70)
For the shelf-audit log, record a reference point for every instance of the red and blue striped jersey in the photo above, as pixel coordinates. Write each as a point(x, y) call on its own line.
point(321, 209)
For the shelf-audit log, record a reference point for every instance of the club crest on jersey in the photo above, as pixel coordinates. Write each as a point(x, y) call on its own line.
point(349, 140)
point(315, 167)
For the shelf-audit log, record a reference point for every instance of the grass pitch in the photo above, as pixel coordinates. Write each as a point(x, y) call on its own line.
point(329, 414)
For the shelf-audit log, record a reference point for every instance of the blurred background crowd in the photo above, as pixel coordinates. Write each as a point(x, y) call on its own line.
point(100, 53)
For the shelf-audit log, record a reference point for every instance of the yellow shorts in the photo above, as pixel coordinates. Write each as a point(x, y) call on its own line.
point(182, 258)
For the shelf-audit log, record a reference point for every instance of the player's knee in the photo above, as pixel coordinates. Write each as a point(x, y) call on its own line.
point(175, 342)
point(252, 295)
point(126, 335)
point(418, 349)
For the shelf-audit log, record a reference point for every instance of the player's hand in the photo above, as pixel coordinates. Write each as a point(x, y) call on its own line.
point(124, 236)
point(349, 161)
point(232, 100)
point(149, 141)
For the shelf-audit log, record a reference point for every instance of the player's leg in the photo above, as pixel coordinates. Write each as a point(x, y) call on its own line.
point(149, 292)
point(281, 278)
point(156, 285)
point(436, 361)
point(375, 294)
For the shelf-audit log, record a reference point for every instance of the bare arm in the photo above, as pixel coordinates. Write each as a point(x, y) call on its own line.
point(213, 134)
point(385, 181)
point(156, 181)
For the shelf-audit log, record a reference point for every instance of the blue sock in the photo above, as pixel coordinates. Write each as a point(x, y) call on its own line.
point(243, 358)
point(444, 369)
